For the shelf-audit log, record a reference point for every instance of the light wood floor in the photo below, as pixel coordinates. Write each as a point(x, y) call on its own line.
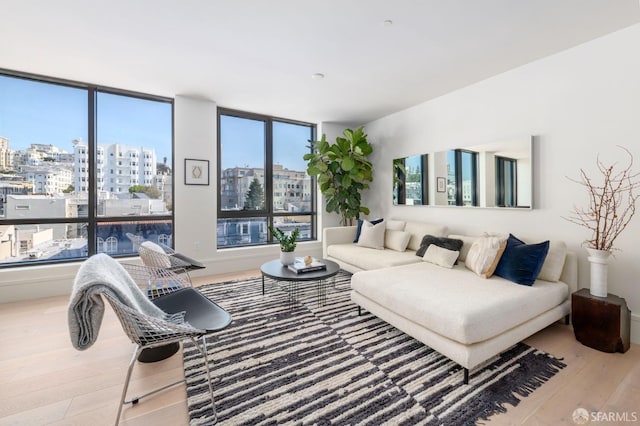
point(44, 381)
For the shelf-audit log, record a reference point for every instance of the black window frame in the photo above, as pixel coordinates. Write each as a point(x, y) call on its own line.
point(92, 219)
point(269, 190)
point(458, 177)
point(501, 178)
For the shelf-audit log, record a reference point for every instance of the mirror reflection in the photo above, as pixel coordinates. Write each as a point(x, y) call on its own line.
point(489, 175)
point(410, 180)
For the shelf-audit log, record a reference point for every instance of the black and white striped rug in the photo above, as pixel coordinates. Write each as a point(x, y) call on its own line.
point(326, 365)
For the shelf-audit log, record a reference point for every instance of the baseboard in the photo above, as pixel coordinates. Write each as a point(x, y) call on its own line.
point(35, 282)
point(40, 281)
point(242, 259)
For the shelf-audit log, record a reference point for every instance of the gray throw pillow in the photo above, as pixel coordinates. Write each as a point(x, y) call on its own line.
point(447, 243)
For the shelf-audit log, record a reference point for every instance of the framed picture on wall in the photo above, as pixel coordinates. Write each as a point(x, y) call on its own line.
point(196, 172)
point(442, 184)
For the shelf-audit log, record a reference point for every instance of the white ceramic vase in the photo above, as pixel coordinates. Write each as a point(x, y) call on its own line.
point(599, 261)
point(287, 257)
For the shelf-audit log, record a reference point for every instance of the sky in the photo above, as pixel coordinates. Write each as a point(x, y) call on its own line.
point(44, 113)
point(243, 143)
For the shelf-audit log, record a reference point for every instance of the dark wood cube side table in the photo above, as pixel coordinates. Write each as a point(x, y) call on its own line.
point(602, 323)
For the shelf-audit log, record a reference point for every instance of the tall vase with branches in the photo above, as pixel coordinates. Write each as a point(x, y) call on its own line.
point(612, 205)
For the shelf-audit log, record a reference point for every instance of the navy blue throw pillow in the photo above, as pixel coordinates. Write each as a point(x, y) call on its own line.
point(359, 230)
point(520, 262)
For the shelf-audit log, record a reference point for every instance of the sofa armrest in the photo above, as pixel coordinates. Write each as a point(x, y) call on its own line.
point(337, 235)
point(570, 272)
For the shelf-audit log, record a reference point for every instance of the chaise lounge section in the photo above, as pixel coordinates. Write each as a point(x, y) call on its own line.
point(468, 318)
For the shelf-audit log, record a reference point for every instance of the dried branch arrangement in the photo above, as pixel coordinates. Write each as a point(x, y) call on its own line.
point(612, 203)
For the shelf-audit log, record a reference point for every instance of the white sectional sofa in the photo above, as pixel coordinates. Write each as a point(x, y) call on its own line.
point(456, 312)
point(338, 245)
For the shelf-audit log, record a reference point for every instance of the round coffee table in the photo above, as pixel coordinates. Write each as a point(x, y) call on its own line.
point(277, 271)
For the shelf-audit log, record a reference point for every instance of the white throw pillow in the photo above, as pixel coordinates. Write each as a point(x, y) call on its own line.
point(441, 256)
point(372, 236)
point(395, 225)
point(484, 254)
point(396, 240)
point(467, 242)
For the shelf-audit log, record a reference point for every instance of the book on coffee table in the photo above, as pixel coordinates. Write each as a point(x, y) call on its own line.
point(300, 267)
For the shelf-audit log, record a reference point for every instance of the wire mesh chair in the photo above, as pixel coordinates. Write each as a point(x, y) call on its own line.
point(162, 256)
point(156, 281)
point(202, 317)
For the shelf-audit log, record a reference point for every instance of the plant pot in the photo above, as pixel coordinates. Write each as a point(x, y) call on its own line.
point(287, 257)
point(599, 264)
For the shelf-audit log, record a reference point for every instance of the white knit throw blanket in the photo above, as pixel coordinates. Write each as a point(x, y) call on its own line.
point(97, 275)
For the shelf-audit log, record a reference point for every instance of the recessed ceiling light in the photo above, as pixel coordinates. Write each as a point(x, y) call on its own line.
point(317, 76)
point(387, 22)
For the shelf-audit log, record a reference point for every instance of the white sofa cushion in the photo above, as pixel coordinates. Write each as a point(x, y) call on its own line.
point(395, 225)
point(368, 258)
point(456, 303)
point(440, 256)
point(467, 242)
point(396, 240)
point(554, 262)
point(419, 230)
point(372, 235)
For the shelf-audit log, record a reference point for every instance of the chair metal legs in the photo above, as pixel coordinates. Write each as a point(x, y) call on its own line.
point(133, 401)
point(205, 355)
point(136, 352)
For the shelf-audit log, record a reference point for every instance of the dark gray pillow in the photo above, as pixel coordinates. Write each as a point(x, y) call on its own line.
point(447, 243)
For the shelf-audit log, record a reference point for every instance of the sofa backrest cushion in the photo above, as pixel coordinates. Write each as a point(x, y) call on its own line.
point(520, 262)
point(395, 225)
point(420, 229)
point(467, 242)
point(554, 262)
point(396, 240)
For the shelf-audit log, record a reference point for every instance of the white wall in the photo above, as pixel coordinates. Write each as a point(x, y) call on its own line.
point(579, 103)
point(196, 206)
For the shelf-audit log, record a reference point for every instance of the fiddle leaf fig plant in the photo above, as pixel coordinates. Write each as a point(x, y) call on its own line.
point(343, 171)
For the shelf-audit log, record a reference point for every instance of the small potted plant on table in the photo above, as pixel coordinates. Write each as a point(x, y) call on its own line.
point(287, 244)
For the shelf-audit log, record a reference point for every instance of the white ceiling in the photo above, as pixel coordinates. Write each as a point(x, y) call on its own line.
point(259, 55)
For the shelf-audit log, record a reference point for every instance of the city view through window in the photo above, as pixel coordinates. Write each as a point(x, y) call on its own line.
point(62, 196)
point(263, 179)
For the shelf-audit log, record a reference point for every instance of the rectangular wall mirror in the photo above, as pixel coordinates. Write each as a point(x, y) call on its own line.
point(496, 174)
point(410, 180)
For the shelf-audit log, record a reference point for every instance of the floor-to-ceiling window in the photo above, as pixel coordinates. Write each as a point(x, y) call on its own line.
point(262, 178)
point(82, 168)
point(506, 186)
point(462, 177)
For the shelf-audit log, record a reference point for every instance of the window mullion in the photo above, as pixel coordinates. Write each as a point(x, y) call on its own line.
point(92, 185)
point(268, 177)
